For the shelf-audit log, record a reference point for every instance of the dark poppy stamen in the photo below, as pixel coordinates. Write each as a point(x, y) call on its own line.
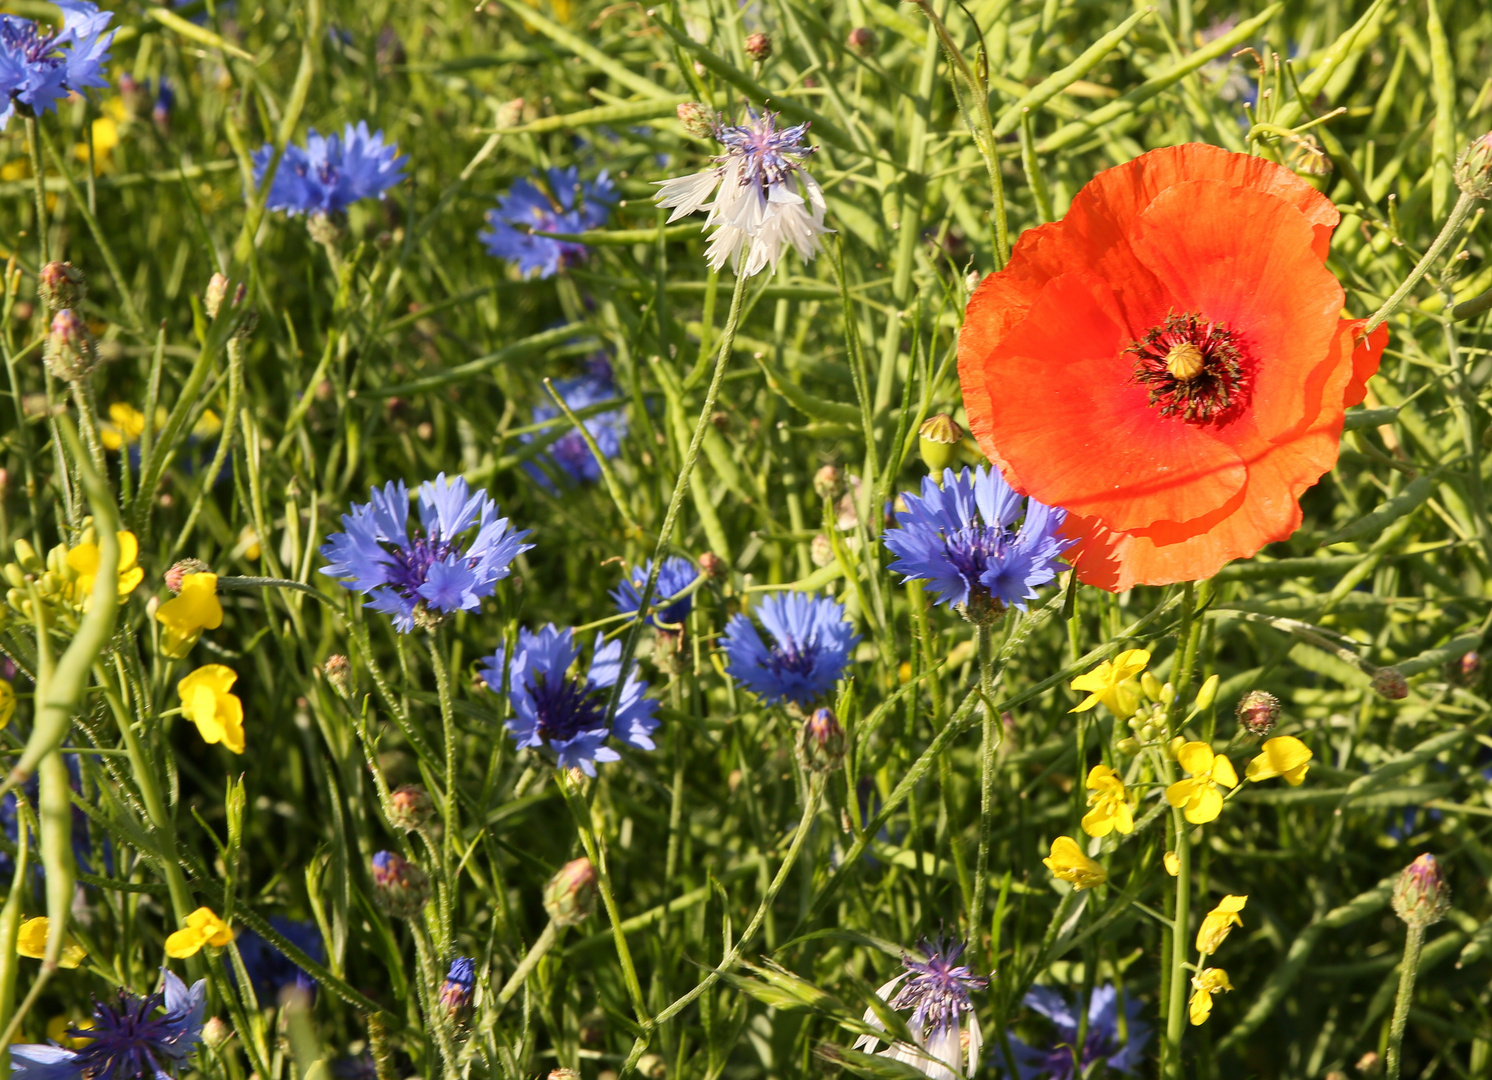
point(1193, 369)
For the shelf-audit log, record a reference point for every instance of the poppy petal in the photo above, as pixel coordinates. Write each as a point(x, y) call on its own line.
point(1366, 354)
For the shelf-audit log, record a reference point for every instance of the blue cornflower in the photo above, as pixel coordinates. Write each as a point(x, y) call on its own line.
point(568, 715)
point(962, 537)
point(674, 576)
point(569, 451)
point(1102, 1040)
point(40, 67)
point(130, 1039)
point(568, 206)
point(455, 992)
point(330, 172)
point(936, 988)
point(165, 101)
point(270, 970)
point(432, 571)
point(811, 643)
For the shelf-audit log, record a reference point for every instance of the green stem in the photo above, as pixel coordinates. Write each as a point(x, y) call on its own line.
point(1459, 213)
point(985, 642)
point(528, 963)
point(1414, 940)
point(450, 857)
point(33, 147)
point(1176, 1009)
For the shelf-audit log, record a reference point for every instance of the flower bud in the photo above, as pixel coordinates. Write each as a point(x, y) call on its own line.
point(510, 113)
point(1258, 712)
point(758, 46)
point(937, 441)
point(821, 742)
point(1473, 171)
point(712, 565)
point(1370, 1064)
point(571, 893)
point(216, 1032)
point(70, 354)
point(61, 285)
point(698, 120)
point(409, 806)
point(338, 671)
point(455, 992)
point(323, 229)
point(563, 1074)
point(1465, 670)
point(1389, 682)
point(217, 291)
point(1128, 745)
point(652, 1066)
point(399, 885)
point(821, 551)
point(862, 40)
point(828, 482)
point(1421, 895)
point(181, 569)
point(1208, 694)
point(1151, 685)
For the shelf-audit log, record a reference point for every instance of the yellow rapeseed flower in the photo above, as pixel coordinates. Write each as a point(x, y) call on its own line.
point(32, 942)
point(186, 616)
point(1070, 864)
point(1207, 982)
point(1172, 862)
point(203, 927)
point(206, 702)
point(57, 1029)
point(1284, 756)
point(1198, 793)
point(1113, 684)
point(126, 425)
point(1110, 806)
point(7, 703)
point(83, 560)
point(1219, 922)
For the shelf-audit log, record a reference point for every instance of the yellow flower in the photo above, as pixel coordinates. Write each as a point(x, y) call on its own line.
point(1198, 793)
point(207, 425)
point(83, 559)
point(32, 942)
point(206, 702)
point(1173, 863)
point(1219, 922)
point(1113, 684)
point(128, 424)
point(1070, 864)
point(7, 702)
point(58, 1026)
point(1283, 756)
point(186, 616)
point(1208, 982)
point(203, 927)
point(1110, 808)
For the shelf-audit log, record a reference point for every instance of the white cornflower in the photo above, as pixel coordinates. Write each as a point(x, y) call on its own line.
point(936, 989)
point(760, 205)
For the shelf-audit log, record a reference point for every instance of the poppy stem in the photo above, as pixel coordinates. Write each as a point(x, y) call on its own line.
point(1458, 215)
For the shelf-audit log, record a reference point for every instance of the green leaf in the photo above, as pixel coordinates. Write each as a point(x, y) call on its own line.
point(1401, 505)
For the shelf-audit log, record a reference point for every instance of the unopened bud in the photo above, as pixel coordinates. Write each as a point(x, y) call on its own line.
point(70, 354)
point(217, 292)
point(1128, 745)
point(1208, 694)
point(1464, 671)
point(571, 893)
point(509, 113)
point(1389, 682)
point(1473, 171)
point(828, 482)
point(323, 230)
point(400, 886)
point(652, 1066)
point(1370, 1064)
point(712, 565)
point(1151, 685)
point(1421, 896)
point(698, 120)
point(410, 807)
point(937, 441)
point(821, 742)
point(216, 1032)
point(61, 285)
point(338, 671)
point(563, 1074)
point(1258, 712)
point(455, 992)
point(862, 40)
point(821, 551)
point(181, 569)
point(758, 46)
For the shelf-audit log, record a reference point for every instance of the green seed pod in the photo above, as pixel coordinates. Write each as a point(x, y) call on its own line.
point(55, 811)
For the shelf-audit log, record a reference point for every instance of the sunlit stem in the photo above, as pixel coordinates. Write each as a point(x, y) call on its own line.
point(1176, 1009)
point(1459, 213)
point(1414, 940)
point(984, 638)
point(33, 147)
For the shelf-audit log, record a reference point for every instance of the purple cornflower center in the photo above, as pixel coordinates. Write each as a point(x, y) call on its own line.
point(971, 551)
point(411, 566)
point(126, 1038)
point(19, 36)
point(566, 708)
point(937, 989)
point(787, 656)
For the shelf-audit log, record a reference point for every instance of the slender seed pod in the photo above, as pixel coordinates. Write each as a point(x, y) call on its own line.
point(55, 810)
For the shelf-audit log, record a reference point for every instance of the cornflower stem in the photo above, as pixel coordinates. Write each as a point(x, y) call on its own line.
point(581, 810)
point(1414, 940)
point(530, 960)
point(429, 980)
point(1176, 1009)
point(33, 147)
point(1458, 215)
point(984, 639)
point(450, 857)
point(676, 806)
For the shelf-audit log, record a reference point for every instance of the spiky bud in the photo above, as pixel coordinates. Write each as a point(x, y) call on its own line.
point(1258, 712)
point(821, 551)
point(712, 565)
point(61, 285)
point(70, 354)
point(400, 886)
point(1389, 682)
point(179, 570)
point(862, 40)
point(698, 120)
point(828, 482)
point(758, 46)
point(1421, 896)
point(570, 895)
point(455, 992)
point(1473, 171)
point(510, 113)
point(338, 671)
point(410, 807)
point(821, 742)
point(937, 441)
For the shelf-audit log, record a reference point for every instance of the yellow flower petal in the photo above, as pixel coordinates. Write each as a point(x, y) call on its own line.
point(1130, 663)
point(1219, 922)
point(1284, 756)
point(1204, 807)
point(7, 703)
point(1223, 773)
point(1070, 864)
point(196, 609)
point(1195, 757)
point(32, 941)
point(1173, 863)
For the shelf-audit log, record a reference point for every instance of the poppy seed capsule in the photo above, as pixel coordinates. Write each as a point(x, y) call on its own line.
point(181, 569)
point(61, 285)
point(399, 885)
point(1258, 712)
point(758, 46)
point(821, 742)
point(1421, 896)
point(1473, 171)
point(410, 807)
point(571, 893)
point(1389, 682)
point(70, 354)
point(862, 40)
point(698, 120)
point(937, 441)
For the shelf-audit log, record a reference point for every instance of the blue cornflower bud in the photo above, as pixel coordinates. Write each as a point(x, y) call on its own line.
point(400, 885)
point(455, 993)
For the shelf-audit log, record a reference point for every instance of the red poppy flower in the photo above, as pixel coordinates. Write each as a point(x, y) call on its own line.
point(1169, 363)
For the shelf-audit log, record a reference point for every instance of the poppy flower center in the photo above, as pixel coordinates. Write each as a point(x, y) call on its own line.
point(1192, 367)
